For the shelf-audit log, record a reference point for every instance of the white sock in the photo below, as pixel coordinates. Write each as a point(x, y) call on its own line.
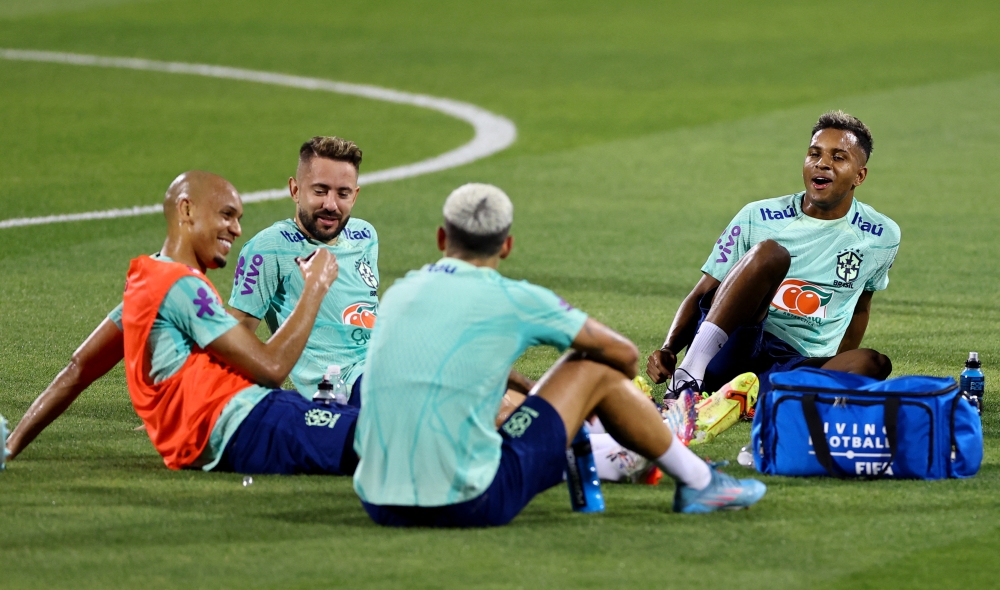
point(614, 462)
point(684, 466)
point(707, 343)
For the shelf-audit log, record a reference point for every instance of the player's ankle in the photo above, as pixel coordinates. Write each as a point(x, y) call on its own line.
point(684, 466)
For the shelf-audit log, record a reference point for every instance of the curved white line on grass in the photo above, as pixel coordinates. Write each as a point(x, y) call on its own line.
point(493, 132)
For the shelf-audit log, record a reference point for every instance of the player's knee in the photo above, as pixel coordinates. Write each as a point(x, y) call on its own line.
point(876, 364)
point(881, 365)
point(771, 257)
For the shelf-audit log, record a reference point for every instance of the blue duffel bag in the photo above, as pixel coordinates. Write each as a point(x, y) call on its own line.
point(816, 422)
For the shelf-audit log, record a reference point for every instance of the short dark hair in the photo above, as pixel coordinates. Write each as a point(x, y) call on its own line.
point(331, 148)
point(843, 121)
point(478, 245)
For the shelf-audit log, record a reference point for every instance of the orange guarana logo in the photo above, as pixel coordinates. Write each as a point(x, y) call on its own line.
point(801, 298)
point(360, 314)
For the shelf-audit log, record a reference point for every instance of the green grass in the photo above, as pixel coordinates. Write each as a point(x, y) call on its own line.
point(642, 129)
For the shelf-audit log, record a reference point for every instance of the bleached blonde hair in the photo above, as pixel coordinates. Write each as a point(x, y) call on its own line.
point(478, 217)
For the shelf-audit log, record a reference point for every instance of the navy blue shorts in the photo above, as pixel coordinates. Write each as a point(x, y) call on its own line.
point(355, 400)
point(288, 434)
point(749, 350)
point(532, 460)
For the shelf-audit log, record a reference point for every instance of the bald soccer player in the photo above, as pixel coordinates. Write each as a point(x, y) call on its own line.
point(204, 385)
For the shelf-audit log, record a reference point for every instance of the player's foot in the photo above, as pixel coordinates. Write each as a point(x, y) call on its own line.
point(724, 493)
point(679, 383)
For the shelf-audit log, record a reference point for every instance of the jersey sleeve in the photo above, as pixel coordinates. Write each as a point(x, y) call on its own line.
point(731, 246)
point(880, 280)
point(193, 309)
point(255, 281)
point(545, 317)
point(115, 315)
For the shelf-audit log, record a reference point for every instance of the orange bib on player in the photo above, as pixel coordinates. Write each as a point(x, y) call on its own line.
point(179, 412)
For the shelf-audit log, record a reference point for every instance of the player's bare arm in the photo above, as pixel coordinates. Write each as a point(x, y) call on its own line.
point(519, 383)
point(859, 323)
point(661, 363)
point(98, 354)
point(602, 344)
point(269, 363)
point(246, 319)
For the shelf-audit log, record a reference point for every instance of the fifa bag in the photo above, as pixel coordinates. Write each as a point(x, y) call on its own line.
point(816, 422)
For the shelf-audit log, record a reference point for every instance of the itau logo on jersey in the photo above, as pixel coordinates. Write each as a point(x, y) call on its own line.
point(801, 298)
point(360, 314)
point(367, 274)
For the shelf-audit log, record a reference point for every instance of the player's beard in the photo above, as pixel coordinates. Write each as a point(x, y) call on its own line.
point(312, 228)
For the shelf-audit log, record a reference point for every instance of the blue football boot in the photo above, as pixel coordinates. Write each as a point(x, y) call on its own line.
point(724, 493)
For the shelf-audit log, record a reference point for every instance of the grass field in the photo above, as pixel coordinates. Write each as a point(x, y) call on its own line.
point(642, 129)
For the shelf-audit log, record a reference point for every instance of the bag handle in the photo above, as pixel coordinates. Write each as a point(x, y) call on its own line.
point(822, 448)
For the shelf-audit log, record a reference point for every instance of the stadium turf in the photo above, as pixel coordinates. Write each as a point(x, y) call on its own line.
point(642, 129)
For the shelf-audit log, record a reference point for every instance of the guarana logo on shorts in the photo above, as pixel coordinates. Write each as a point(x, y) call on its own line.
point(801, 298)
point(360, 314)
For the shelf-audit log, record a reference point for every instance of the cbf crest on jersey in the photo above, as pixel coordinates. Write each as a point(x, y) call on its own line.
point(848, 268)
point(367, 274)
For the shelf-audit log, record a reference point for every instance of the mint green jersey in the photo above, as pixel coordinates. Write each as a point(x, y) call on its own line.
point(833, 262)
point(188, 319)
point(268, 284)
point(437, 369)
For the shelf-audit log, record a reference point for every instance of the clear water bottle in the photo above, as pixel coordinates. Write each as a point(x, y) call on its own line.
point(581, 475)
point(3, 443)
point(972, 379)
point(340, 393)
point(324, 392)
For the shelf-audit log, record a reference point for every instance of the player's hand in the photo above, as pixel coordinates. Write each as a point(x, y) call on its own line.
point(319, 268)
point(661, 364)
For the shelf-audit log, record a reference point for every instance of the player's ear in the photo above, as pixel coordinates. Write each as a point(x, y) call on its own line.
point(293, 189)
point(862, 175)
point(184, 208)
point(442, 238)
point(508, 245)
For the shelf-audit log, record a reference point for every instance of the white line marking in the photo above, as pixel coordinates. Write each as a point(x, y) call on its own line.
point(493, 132)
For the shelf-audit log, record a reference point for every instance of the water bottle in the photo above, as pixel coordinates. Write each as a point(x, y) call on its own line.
point(581, 474)
point(972, 380)
point(324, 393)
point(3, 443)
point(339, 387)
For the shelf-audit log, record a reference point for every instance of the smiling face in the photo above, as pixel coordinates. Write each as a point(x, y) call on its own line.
point(215, 225)
point(324, 192)
point(834, 166)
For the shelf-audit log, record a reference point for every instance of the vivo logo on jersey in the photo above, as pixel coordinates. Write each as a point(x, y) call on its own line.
point(724, 248)
point(351, 234)
point(875, 230)
point(293, 237)
point(251, 276)
point(786, 213)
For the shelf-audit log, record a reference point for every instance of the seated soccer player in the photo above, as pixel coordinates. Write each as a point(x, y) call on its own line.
point(790, 282)
point(205, 387)
point(267, 282)
point(437, 369)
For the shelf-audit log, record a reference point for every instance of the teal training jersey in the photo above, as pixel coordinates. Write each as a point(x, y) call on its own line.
point(268, 284)
point(181, 325)
point(436, 373)
point(833, 262)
